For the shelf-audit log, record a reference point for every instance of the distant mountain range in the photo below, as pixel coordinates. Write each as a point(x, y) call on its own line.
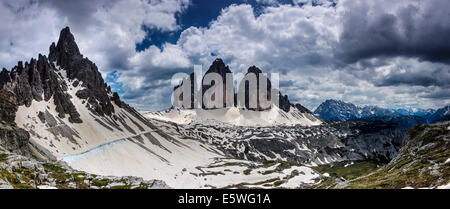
point(336, 110)
point(440, 115)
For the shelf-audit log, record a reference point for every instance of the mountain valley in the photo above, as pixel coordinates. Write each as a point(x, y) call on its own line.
point(61, 126)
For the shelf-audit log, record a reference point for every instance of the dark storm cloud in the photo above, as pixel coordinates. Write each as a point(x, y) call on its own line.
point(439, 77)
point(438, 94)
point(165, 74)
point(410, 79)
point(154, 78)
point(150, 86)
point(368, 52)
point(413, 29)
point(286, 83)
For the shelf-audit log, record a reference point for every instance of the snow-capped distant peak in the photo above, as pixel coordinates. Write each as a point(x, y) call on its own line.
point(336, 110)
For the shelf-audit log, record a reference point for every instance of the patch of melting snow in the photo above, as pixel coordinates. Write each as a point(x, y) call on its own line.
point(305, 175)
point(447, 186)
point(447, 161)
point(46, 187)
point(346, 165)
point(312, 164)
point(193, 166)
point(236, 116)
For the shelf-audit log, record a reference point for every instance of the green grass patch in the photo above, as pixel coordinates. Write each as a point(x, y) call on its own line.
point(14, 180)
point(432, 135)
point(282, 165)
point(245, 185)
point(3, 157)
point(325, 184)
point(418, 165)
point(357, 169)
point(23, 186)
point(121, 187)
point(49, 167)
point(143, 185)
point(100, 182)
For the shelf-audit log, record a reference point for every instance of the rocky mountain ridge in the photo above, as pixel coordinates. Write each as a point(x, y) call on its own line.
point(219, 67)
point(39, 80)
point(336, 110)
point(422, 162)
point(320, 144)
point(440, 115)
point(12, 138)
point(64, 104)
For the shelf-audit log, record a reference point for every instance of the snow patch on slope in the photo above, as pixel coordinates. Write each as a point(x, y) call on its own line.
point(447, 161)
point(60, 137)
point(447, 186)
point(183, 163)
point(236, 116)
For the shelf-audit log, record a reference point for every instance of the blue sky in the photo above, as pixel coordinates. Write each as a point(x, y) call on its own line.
point(388, 53)
point(199, 14)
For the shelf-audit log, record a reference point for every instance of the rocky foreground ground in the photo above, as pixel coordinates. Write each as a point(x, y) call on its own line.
point(19, 172)
point(422, 162)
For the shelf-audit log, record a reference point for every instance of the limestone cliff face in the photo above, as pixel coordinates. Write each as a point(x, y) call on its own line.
point(220, 68)
point(12, 138)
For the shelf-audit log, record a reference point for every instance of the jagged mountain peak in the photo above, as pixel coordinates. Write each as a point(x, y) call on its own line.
point(302, 109)
point(218, 66)
point(66, 49)
point(338, 102)
point(67, 55)
point(337, 110)
point(66, 39)
point(64, 103)
point(254, 69)
point(43, 80)
point(442, 114)
point(218, 62)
